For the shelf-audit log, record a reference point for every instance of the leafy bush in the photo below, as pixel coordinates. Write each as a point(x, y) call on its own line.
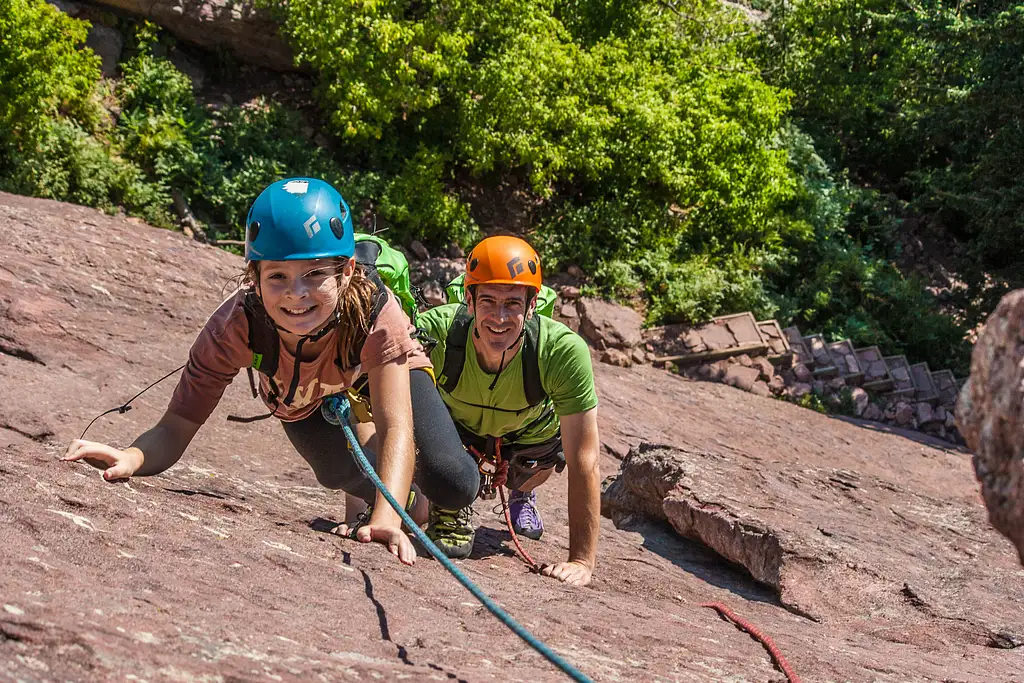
point(44, 71)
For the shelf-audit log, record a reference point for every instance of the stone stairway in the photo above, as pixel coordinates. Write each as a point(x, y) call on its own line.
point(885, 388)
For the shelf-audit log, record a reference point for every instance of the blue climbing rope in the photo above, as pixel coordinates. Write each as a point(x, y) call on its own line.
point(337, 410)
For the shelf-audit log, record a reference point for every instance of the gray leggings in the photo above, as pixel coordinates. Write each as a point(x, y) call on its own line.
point(445, 472)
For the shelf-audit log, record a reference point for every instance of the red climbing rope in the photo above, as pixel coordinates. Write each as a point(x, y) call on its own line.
point(497, 480)
point(534, 567)
point(768, 643)
point(500, 479)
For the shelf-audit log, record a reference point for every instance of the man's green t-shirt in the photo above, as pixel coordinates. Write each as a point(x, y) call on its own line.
point(566, 374)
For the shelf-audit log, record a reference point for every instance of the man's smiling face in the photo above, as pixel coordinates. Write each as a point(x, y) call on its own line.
point(500, 312)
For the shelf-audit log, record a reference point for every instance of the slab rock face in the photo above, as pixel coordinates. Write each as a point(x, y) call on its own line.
point(250, 35)
point(835, 544)
point(990, 416)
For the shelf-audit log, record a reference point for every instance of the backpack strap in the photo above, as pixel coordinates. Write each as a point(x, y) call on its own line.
point(455, 356)
point(531, 362)
point(455, 350)
point(264, 341)
point(367, 252)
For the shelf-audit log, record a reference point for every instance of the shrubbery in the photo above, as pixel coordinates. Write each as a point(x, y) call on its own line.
point(636, 140)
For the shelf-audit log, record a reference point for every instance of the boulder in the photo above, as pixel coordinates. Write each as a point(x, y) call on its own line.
point(777, 385)
point(712, 372)
point(802, 373)
point(417, 248)
point(799, 390)
point(570, 293)
point(903, 414)
point(765, 366)
point(237, 25)
point(829, 539)
point(990, 416)
point(616, 357)
point(873, 413)
point(742, 377)
point(760, 388)
point(440, 270)
point(108, 43)
point(861, 400)
point(923, 414)
point(568, 310)
point(608, 325)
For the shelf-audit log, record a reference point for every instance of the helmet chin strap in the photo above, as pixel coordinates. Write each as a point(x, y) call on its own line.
point(314, 337)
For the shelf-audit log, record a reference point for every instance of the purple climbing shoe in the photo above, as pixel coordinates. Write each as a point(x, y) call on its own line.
point(522, 507)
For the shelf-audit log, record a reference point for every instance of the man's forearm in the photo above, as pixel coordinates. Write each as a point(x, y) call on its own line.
point(584, 513)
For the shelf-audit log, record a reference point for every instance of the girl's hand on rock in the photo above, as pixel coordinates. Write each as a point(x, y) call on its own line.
point(115, 463)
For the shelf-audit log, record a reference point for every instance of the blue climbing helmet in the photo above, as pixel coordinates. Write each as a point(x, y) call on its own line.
point(298, 218)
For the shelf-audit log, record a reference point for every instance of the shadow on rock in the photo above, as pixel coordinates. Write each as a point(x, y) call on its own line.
point(385, 628)
point(697, 560)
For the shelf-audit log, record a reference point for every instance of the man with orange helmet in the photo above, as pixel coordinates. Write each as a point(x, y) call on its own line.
point(520, 388)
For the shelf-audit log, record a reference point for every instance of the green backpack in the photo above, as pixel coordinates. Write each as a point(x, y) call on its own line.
point(374, 253)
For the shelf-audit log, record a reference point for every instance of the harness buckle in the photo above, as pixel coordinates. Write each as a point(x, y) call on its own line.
point(488, 488)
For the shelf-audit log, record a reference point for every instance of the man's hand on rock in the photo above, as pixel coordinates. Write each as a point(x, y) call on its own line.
point(573, 573)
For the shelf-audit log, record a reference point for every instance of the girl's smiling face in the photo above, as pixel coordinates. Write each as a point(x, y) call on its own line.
point(301, 296)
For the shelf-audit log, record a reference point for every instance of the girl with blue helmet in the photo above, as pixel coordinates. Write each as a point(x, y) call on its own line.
point(312, 322)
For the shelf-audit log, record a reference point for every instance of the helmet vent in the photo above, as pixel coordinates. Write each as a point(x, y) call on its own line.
point(337, 227)
point(473, 264)
point(254, 230)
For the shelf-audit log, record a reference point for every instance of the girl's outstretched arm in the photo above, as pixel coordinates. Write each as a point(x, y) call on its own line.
point(153, 452)
point(396, 459)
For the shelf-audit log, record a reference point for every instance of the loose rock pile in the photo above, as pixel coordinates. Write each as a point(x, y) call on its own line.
point(757, 356)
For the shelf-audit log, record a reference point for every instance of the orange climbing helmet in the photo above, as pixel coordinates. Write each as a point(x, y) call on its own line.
point(503, 260)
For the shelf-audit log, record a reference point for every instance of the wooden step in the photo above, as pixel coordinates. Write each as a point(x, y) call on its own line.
point(876, 373)
point(779, 351)
point(722, 337)
point(845, 358)
point(902, 380)
point(926, 391)
point(801, 354)
point(945, 385)
point(823, 365)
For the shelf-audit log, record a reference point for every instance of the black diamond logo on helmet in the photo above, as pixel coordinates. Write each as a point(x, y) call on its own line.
point(515, 267)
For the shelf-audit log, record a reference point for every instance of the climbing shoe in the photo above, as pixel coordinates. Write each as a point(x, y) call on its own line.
point(522, 508)
point(452, 531)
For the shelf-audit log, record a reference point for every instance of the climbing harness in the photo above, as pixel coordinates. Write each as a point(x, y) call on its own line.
point(768, 643)
point(494, 475)
point(338, 406)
